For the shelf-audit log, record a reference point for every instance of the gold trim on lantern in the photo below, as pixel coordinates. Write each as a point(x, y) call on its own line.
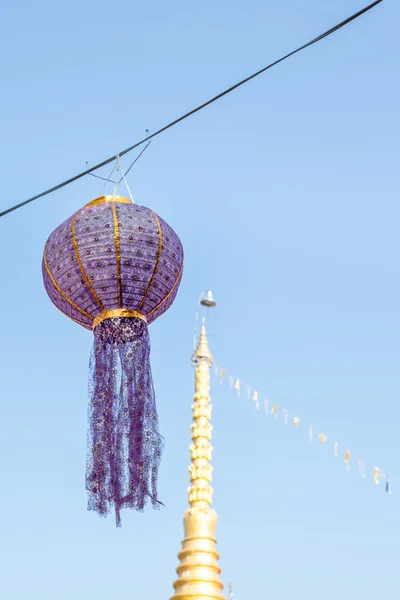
point(117, 252)
point(109, 198)
point(160, 241)
point(59, 290)
point(118, 312)
point(168, 295)
point(78, 258)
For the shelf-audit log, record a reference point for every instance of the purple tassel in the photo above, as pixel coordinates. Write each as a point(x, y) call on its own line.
point(124, 443)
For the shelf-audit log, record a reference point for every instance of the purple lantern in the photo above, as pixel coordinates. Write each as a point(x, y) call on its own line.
point(114, 267)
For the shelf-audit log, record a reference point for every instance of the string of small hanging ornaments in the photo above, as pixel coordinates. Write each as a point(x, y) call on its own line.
point(114, 267)
point(262, 402)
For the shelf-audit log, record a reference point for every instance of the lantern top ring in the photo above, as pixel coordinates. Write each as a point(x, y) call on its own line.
point(109, 198)
point(117, 312)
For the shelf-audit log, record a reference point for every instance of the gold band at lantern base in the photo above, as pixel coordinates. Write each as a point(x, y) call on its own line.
point(117, 312)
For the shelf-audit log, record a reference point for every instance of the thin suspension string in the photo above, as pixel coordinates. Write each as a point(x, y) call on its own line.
point(103, 178)
point(116, 183)
point(118, 164)
point(127, 171)
point(109, 177)
point(125, 181)
point(135, 161)
point(196, 320)
point(192, 112)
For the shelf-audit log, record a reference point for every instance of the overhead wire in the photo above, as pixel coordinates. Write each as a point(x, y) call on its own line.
point(192, 112)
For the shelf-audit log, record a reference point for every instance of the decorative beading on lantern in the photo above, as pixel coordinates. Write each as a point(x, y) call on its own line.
point(114, 267)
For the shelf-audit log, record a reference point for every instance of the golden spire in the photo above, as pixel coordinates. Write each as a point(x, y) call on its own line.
point(198, 571)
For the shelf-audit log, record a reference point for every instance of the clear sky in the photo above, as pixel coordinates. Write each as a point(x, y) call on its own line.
point(286, 197)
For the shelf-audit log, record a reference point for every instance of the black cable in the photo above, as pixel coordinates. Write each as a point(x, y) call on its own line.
point(195, 110)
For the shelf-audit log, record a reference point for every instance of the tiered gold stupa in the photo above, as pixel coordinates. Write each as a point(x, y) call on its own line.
point(198, 571)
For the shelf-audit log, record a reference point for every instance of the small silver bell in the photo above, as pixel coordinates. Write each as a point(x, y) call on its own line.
point(208, 299)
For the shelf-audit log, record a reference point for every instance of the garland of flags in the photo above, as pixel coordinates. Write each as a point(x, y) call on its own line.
point(240, 388)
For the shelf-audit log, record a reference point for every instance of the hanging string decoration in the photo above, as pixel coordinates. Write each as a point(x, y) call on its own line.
point(275, 410)
point(114, 267)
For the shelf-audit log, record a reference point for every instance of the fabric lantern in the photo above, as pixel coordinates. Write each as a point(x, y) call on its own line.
point(114, 267)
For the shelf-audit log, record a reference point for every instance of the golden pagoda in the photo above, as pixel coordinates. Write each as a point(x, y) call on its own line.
point(198, 570)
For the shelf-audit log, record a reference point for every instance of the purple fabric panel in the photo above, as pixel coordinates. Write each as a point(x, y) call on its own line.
point(166, 304)
point(65, 270)
point(124, 443)
point(138, 234)
point(62, 304)
point(169, 267)
point(94, 234)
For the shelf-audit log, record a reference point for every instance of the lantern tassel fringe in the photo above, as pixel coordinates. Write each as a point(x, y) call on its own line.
point(124, 443)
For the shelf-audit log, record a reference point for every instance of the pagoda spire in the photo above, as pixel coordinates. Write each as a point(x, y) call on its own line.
point(198, 571)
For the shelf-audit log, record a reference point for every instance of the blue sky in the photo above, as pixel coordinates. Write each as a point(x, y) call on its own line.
point(285, 196)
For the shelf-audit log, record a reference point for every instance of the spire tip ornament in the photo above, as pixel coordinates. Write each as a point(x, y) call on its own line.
point(208, 299)
point(202, 351)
